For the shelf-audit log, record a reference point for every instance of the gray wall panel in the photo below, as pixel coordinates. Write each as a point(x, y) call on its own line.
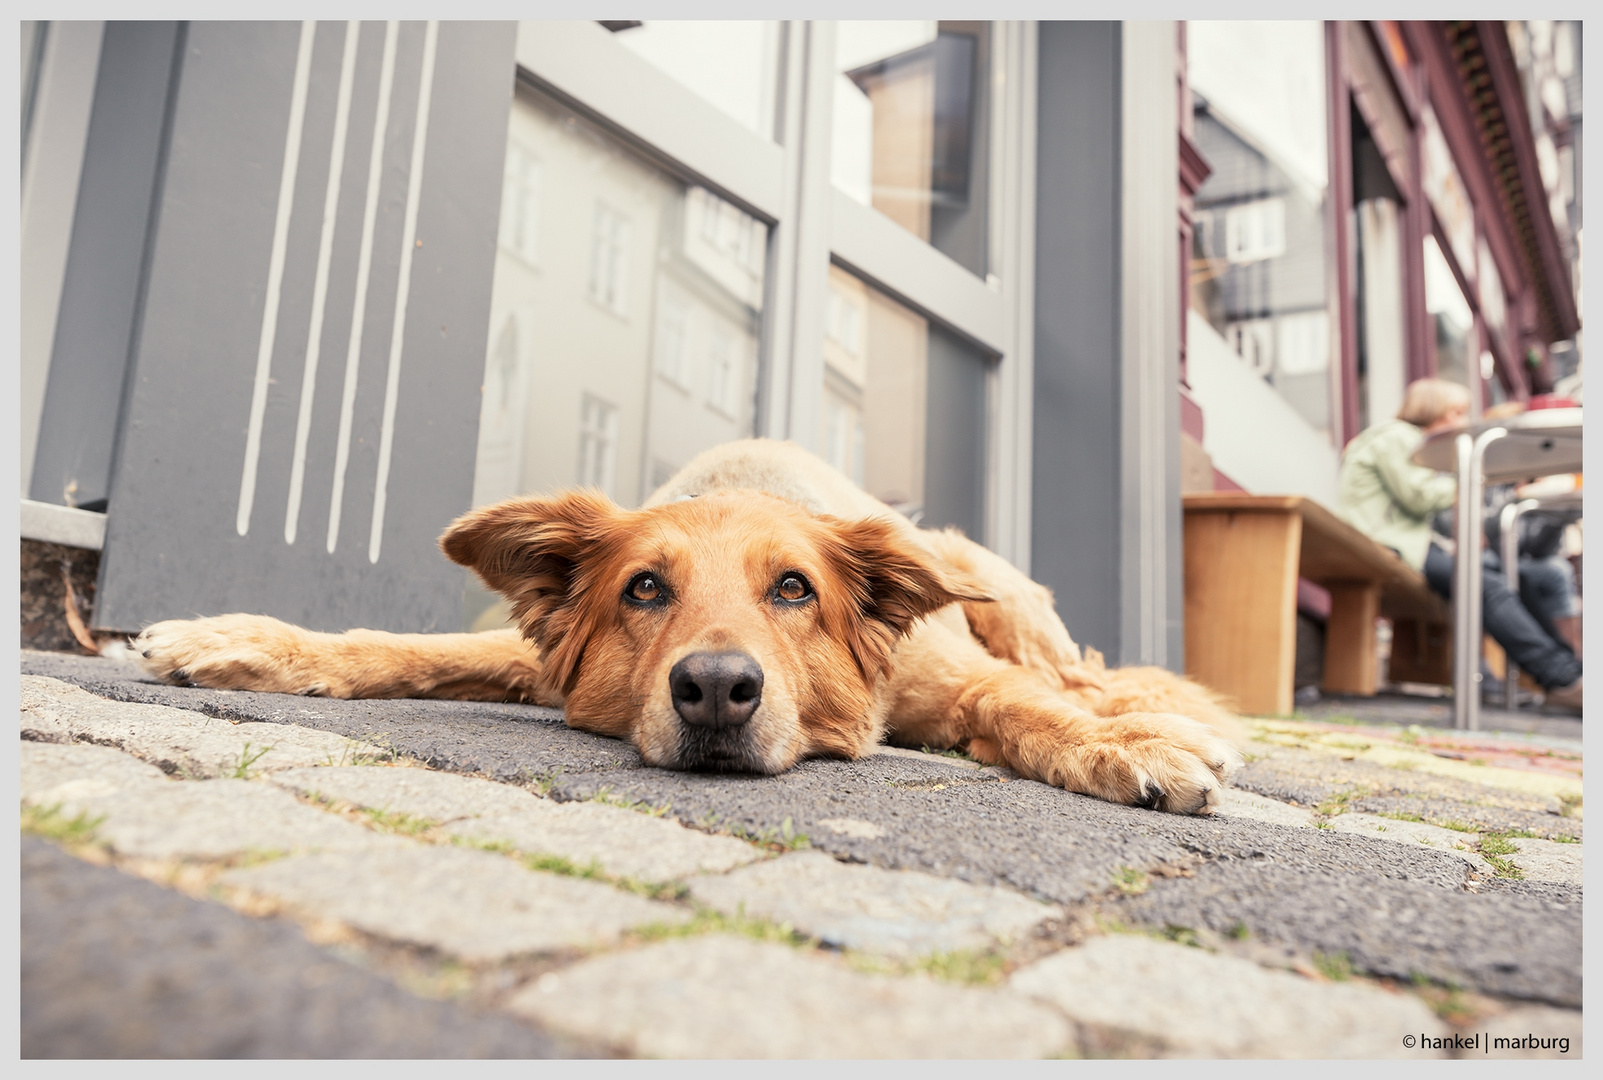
point(1075, 489)
point(100, 289)
point(172, 546)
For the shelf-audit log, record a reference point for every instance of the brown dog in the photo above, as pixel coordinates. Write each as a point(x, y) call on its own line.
point(759, 609)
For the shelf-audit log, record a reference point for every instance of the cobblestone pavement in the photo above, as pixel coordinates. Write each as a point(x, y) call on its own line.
point(232, 874)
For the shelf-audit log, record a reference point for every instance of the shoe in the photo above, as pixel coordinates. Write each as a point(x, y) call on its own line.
point(1567, 698)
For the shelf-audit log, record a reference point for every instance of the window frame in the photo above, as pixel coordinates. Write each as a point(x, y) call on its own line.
point(784, 182)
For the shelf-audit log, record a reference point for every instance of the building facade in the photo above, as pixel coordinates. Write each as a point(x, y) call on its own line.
point(295, 295)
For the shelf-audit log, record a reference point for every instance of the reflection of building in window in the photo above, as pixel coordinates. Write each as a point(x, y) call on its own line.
point(501, 418)
point(609, 258)
point(1452, 315)
point(671, 358)
point(726, 243)
point(722, 388)
point(520, 204)
point(598, 443)
point(1255, 230)
point(843, 434)
point(909, 128)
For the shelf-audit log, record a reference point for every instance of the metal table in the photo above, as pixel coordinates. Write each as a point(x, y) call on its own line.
point(1520, 448)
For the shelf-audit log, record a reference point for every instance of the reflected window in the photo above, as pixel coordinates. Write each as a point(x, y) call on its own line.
point(520, 205)
point(1259, 258)
point(1376, 227)
point(910, 132)
point(734, 65)
point(633, 345)
point(905, 408)
point(1454, 321)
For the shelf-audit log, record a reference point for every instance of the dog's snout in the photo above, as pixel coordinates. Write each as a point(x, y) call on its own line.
point(716, 690)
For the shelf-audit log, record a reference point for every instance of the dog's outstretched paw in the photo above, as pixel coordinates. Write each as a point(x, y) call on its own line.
point(1154, 761)
point(227, 652)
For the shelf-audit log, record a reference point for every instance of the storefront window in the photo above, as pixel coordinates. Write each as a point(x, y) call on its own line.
point(624, 318)
point(734, 65)
point(1457, 351)
point(1259, 251)
point(911, 128)
point(904, 410)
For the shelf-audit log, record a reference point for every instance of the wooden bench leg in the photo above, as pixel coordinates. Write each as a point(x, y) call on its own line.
point(1421, 652)
point(1350, 643)
point(1241, 606)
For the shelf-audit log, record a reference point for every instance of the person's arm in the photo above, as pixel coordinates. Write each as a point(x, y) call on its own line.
point(1417, 489)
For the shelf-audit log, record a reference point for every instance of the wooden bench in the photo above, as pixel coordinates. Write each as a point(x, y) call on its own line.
point(1243, 555)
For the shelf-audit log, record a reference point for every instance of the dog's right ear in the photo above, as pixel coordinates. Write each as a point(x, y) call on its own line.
point(533, 551)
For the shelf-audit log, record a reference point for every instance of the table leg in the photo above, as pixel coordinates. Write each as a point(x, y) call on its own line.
point(1467, 578)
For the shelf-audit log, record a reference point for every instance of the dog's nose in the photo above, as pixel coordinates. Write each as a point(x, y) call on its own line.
point(716, 690)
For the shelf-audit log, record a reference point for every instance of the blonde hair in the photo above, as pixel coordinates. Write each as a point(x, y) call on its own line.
point(1428, 400)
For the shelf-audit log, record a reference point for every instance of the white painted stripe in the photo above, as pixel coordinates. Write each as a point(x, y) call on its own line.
point(364, 264)
point(275, 276)
point(325, 252)
point(414, 189)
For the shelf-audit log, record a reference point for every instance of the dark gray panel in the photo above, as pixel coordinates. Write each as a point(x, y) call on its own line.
point(1075, 488)
point(954, 441)
point(172, 547)
point(100, 291)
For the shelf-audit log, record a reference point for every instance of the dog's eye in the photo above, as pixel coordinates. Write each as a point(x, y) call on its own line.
point(645, 589)
point(793, 588)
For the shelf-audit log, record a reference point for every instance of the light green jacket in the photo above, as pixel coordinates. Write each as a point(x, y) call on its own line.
point(1388, 498)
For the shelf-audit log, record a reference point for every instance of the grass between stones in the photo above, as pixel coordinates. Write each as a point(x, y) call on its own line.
point(783, 839)
point(51, 823)
point(1336, 805)
point(1130, 881)
point(243, 763)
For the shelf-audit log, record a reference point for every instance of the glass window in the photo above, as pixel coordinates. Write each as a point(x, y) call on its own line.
point(1451, 314)
point(1376, 228)
point(911, 128)
point(733, 65)
point(1259, 255)
point(905, 408)
point(625, 316)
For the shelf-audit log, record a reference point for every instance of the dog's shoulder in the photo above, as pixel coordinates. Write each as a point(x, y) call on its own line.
point(781, 469)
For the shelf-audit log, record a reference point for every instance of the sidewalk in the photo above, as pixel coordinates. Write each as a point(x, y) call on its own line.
point(234, 874)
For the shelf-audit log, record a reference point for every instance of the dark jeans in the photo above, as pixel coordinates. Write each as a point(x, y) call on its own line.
point(1529, 638)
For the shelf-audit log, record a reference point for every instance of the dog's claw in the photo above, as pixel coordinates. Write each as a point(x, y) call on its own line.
point(1151, 795)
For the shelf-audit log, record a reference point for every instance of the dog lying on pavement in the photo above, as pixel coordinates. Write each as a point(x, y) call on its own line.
point(757, 610)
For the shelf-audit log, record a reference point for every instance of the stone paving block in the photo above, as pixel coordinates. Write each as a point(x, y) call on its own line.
point(175, 740)
point(897, 912)
point(1410, 832)
point(215, 819)
point(725, 997)
point(60, 772)
point(420, 793)
point(1533, 1032)
point(475, 905)
point(1547, 860)
point(1200, 1004)
point(1246, 804)
point(623, 842)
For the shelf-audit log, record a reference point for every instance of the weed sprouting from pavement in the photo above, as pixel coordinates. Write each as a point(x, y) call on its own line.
point(708, 921)
point(1337, 966)
point(1494, 847)
point(972, 967)
point(1339, 803)
point(1130, 881)
point(1182, 935)
point(784, 838)
point(1569, 804)
point(639, 806)
point(392, 821)
point(560, 864)
point(51, 823)
point(245, 760)
point(1564, 838)
point(1239, 931)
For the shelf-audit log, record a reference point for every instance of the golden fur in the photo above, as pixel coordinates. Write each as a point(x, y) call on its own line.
point(917, 637)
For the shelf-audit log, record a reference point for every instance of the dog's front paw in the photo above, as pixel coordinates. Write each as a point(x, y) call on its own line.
point(230, 652)
point(1153, 760)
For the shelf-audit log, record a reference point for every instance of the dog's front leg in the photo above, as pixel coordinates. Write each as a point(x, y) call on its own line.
point(255, 652)
point(948, 691)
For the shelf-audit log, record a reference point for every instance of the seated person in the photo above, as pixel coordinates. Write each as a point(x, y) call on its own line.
point(1383, 494)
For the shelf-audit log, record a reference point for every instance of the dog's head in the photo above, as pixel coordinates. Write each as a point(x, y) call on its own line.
point(729, 632)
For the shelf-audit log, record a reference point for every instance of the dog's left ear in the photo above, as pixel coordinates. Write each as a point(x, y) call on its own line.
point(893, 583)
